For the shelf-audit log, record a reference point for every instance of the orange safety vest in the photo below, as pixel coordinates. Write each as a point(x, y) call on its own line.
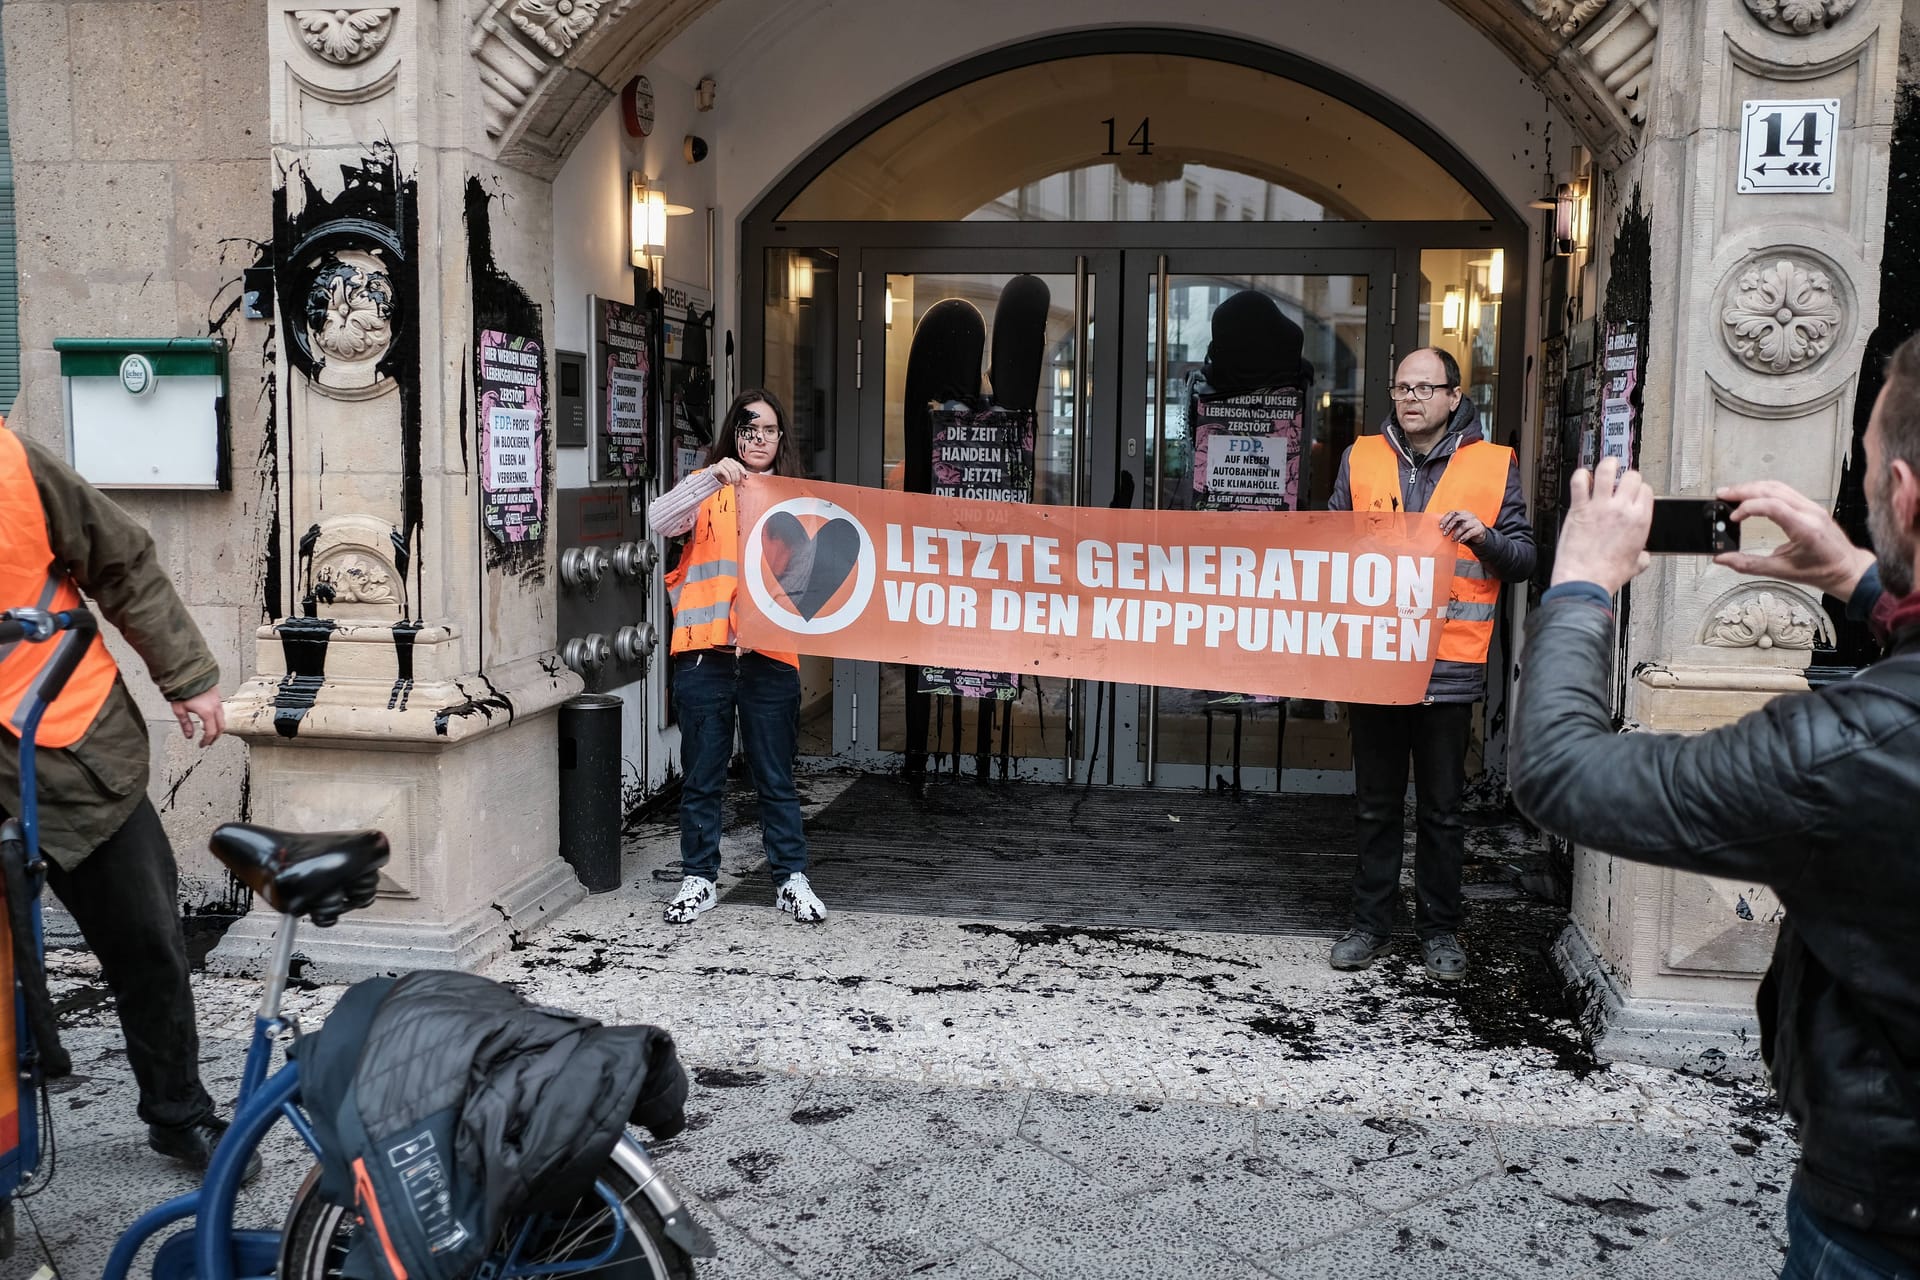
point(702, 586)
point(1475, 480)
point(30, 578)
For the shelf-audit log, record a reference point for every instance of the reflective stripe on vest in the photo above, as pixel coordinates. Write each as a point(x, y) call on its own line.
point(702, 586)
point(1475, 479)
point(28, 577)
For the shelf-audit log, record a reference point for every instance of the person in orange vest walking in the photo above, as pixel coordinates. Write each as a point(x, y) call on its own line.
point(108, 859)
point(1429, 456)
point(716, 683)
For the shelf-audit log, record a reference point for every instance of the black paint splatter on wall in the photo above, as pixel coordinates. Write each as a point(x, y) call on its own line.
point(1899, 319)
point(376, 213)
point(1629, 300)
point(500, 303)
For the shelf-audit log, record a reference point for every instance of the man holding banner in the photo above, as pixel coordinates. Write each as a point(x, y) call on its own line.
point(1430, 455)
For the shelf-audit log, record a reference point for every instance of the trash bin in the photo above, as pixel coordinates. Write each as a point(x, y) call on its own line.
point(590, 789)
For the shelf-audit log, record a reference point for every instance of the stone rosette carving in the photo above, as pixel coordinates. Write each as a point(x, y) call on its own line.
point(1769, 617)
point(1566, 17)
point(344, 36)
point(353, 579)
point(350, 311)
point(1799, 17)
point(555, 25)
point(1782, 315)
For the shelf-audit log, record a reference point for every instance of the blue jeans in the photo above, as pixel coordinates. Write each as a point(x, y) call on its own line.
point(1821, 1249)
point(709, 689)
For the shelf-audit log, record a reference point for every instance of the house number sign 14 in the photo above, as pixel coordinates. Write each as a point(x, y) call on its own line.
point(1788, 146)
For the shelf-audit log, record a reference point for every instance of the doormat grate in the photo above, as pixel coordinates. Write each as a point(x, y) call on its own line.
point(1112, 857)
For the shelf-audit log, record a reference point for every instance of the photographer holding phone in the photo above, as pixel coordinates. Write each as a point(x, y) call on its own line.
point(1813, 795)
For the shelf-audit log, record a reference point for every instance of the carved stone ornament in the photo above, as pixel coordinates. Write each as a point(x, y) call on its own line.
point(350, 311)
point(1799, 17)
point(344, 36)
point(555, 24)
point(1781, 316)
point(353, 579)
point(1766, 618)
point(1566, 17)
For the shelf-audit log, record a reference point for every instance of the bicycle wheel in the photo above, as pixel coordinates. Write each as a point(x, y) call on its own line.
point(318, 1235)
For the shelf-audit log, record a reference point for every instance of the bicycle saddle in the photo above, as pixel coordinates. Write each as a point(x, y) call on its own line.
point(320, 875)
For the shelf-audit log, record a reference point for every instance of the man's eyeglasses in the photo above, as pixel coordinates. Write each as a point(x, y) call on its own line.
point(1416, 390)
point(754, 433)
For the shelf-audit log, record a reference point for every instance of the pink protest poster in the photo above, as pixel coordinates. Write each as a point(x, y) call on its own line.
point(1246, 450)
point(511, 377)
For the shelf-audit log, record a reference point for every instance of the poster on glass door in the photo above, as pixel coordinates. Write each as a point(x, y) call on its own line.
point(986, 452)
point(1247, 448)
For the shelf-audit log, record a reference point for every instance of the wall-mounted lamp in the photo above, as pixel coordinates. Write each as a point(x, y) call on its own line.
point(1497, 274)
point(800, 277)
point(889, 305)
point(1063, 379)
point(1451, 304)
point(646, 223)
point(1569, 219)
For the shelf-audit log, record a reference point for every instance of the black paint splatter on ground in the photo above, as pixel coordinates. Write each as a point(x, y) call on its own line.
point(1295, 1031)
point(820, 1115)
point(727, 1078)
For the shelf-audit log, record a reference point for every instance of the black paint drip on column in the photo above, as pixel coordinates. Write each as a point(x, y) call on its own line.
point(378, 213)
point(303, 642)
point(500, 303)
point(403, 636)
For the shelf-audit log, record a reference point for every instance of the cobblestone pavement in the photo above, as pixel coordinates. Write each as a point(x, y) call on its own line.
point(902, 1096)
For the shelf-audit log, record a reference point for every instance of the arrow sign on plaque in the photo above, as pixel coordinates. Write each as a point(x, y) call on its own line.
point(1786, 147)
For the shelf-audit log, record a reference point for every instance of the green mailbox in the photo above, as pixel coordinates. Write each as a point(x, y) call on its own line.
point(147, 413)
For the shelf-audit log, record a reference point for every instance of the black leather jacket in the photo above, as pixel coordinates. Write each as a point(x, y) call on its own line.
point(1816, 795)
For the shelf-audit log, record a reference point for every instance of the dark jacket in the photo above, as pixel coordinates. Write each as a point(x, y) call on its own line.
point(1815, 795)
point(1507, 550)
point(89, 790)
point(448, 1080)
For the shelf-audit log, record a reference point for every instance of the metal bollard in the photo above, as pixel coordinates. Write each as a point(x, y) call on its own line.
point(590, 815)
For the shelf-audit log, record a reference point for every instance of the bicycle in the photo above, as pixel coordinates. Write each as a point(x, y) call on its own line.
point(633, 1225)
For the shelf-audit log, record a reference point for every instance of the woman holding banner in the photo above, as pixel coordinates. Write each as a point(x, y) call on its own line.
point(716, 683)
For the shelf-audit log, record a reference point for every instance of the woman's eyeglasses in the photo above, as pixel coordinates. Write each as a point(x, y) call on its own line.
point(754, 433)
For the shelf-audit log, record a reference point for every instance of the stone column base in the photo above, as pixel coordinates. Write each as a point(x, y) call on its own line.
point(361, 946)
point(1682, 1035)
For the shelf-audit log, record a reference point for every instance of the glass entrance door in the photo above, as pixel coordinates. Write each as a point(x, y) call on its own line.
point(1338, 302)
point(1107, 350)
point(1012, 334)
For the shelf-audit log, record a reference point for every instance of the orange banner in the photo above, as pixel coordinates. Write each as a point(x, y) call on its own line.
point(1317, 604)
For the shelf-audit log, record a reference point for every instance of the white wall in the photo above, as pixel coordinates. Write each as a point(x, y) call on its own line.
point(591, 256)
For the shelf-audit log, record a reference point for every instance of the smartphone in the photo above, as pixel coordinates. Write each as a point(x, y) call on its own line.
point(1692, 527)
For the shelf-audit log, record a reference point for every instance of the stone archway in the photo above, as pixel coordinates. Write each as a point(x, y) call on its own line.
point(549, 67)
